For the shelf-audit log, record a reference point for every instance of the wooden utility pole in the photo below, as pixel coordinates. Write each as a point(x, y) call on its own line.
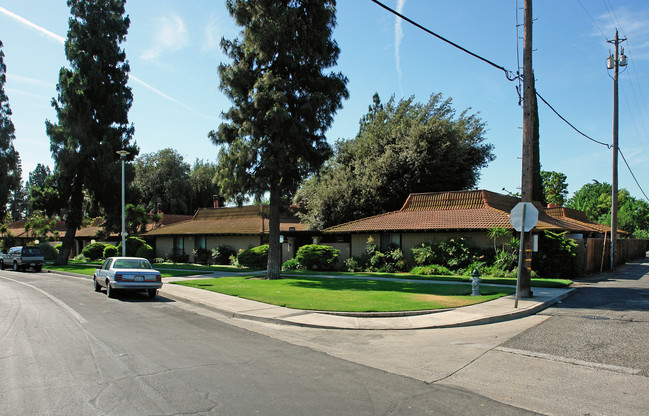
point(614, 62)
point(527, 180)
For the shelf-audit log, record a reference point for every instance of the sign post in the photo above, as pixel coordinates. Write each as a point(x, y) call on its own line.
point(523, 218)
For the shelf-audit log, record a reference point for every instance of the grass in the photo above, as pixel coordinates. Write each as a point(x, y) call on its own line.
point(88, 268)
point(349, 295)
point(199, 267)
point(556, 283)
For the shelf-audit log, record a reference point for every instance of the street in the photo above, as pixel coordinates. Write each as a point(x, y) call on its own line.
point(68, 350)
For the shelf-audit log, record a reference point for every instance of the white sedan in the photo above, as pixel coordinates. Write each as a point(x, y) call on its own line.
point(127, 273)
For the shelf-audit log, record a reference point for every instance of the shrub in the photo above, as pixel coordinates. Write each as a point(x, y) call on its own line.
point(454, 253)
point(145, 251)
point(132, 244)
point(352, 265)
point(291, 264)
point(255, 258)
point(221, 254)
point(201, 255)
point(49, 252)
point(557, 256)
point(317, 257)
point(433, 269)
point(81, 257)
point(94, 251)
point(110, 251)
point(179, 258)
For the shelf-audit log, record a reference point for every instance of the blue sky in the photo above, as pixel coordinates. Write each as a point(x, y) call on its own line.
point(173, 49)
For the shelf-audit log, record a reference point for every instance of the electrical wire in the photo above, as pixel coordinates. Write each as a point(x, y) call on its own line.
point(511, 77)
point(570, 124)
point(509, 74)
point(630, 171)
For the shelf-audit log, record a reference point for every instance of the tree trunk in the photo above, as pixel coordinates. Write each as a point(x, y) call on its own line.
point(72, 222)
point(274, 251)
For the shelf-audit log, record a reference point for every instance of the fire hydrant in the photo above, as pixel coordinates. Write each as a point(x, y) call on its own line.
point(475, 283)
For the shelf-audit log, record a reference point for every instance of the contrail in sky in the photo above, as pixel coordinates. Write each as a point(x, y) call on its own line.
point(398, 36)
point(61, 40)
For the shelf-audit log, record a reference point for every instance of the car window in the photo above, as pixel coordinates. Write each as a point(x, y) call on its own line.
point(30, 251)
point(131, 264)
point(106, 264)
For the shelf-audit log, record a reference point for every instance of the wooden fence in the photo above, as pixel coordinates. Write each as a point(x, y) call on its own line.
point(594, 254)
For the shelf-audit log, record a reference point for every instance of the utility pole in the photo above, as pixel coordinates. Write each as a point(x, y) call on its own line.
point(614, 62)
point(527, 179)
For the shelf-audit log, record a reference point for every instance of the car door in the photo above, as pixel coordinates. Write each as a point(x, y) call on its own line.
point(102, 273)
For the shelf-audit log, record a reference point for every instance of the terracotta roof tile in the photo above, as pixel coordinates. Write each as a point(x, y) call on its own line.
point(457, 210)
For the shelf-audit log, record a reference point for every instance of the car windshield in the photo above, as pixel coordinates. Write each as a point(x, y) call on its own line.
point(32, 252)
point(131, 264)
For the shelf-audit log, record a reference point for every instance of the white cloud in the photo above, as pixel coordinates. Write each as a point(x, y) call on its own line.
point(398, 37)
point(171, 36)
point(634, 25)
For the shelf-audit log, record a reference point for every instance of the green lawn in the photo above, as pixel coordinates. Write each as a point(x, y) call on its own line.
point(89, 268)
point(349, 295)
point(445, 278)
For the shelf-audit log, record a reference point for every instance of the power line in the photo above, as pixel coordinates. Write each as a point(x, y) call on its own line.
point(510, 75)
point(630, 171)
point(570, 124)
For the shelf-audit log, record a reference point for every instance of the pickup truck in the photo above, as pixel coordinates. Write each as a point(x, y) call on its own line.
point(22, 258)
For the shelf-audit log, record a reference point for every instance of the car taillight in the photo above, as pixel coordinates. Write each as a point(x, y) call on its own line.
point(118, 277)
point(158, 278)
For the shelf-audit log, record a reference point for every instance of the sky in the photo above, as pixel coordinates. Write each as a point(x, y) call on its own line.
point(173, 50)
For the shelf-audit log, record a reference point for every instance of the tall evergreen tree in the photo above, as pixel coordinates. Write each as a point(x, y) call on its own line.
point(92, 110)
point(283, 102)
point(10, 169)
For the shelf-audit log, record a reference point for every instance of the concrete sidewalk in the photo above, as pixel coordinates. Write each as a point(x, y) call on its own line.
point(493, 311)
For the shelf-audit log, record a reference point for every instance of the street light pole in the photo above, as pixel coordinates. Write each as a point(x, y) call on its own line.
point(122, 156)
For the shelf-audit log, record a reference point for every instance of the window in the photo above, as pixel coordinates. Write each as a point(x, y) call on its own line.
point(199, 242)
point(389, 240)
point(179, 245)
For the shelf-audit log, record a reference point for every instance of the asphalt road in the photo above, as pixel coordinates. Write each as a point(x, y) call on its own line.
point(605, 323)
point(65, 349)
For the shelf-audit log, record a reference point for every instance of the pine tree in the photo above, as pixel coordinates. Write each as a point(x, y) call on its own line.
point(282, 102)
point(92, 110)
point(10, 169)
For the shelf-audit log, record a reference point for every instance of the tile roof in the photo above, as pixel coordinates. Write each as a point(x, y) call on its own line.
point(245, 220)
point(457, 210)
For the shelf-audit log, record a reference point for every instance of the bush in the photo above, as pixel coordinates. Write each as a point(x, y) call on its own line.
point(145, 251)
point(291, 264)
point(81, 257)
point(49, 252)
point(433, 269)
point(255, 258)
point(110, 251)
point(352, 265)
point(132, 244)
point(201, 255)
point(94, 251)
point(221, 254)
point(317, 257)
point(454, 253)
point(557, 256)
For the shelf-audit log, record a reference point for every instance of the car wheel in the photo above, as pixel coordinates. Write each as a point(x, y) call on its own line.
point(15, 267)
point(152, 293)
point(38, 268)
point(2, 265)
point(96, 284)
point(110, 292)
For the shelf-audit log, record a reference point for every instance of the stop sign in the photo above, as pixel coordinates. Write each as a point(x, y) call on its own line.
point(524, 216)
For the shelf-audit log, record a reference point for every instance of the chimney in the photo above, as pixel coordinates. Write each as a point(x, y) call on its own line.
point(216, 200)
